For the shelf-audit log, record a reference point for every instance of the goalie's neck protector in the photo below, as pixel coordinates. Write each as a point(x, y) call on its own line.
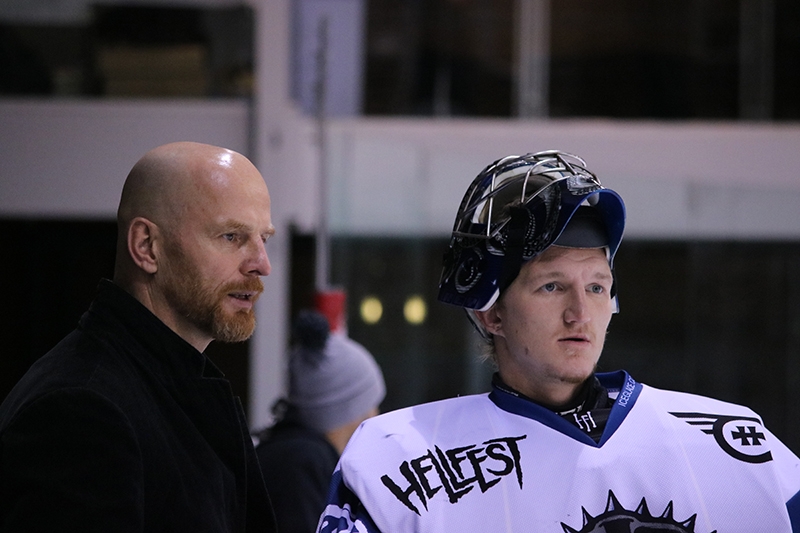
point(514, 210)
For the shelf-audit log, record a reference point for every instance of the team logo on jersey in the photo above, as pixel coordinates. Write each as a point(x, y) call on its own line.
point(620, 520)
point(457, 471)
point(741, 437)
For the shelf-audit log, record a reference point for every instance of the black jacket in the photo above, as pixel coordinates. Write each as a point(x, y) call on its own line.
point(125, 427)
point(297, 463)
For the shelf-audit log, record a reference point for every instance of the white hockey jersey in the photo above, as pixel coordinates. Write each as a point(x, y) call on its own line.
point(666, 462)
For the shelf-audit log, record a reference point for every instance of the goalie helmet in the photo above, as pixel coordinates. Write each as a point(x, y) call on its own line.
point(513, 211)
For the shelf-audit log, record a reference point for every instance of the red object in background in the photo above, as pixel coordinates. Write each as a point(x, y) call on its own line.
point(331, 303)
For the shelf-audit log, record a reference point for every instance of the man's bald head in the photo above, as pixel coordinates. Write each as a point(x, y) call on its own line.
point(167, 182)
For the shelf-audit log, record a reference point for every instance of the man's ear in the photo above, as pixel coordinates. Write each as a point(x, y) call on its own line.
point(142, 234)
point(491, 320)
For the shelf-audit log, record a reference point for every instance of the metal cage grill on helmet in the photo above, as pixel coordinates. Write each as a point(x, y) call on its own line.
point(514, 210)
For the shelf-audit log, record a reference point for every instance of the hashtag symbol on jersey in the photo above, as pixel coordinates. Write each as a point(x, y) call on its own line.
point(749, 436)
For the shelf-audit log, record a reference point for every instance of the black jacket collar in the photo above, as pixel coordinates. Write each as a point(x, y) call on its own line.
point(116, 313)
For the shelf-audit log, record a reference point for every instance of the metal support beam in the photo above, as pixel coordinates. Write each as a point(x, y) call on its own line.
point(533, 58)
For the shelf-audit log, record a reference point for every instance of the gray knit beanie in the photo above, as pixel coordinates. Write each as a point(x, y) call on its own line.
point(333, 380)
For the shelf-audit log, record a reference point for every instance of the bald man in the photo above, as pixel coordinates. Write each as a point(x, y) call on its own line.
point(126, 426)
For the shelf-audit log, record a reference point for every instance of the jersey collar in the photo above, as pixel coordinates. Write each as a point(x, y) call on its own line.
point(620, 385)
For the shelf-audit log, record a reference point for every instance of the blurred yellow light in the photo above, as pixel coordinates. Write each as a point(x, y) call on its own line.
point(415, 310)
point(371, 310)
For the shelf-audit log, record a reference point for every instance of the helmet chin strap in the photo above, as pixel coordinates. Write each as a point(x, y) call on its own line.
point(515, 245)
point(476, 323)
point(518, 225)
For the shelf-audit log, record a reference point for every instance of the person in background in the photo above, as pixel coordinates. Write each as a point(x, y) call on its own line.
point(334, 385)
point(556, 446)
point(125, 425)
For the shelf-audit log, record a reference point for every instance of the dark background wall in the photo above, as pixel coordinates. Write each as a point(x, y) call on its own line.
point(719, 318)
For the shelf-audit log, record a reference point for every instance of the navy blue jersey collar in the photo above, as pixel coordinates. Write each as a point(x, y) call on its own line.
point(620, 383)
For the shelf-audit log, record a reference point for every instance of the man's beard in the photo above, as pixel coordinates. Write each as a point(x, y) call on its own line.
point(203, 306)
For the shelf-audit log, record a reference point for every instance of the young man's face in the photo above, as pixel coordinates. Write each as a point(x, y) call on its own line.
point(216, 255)
point(549, 326)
